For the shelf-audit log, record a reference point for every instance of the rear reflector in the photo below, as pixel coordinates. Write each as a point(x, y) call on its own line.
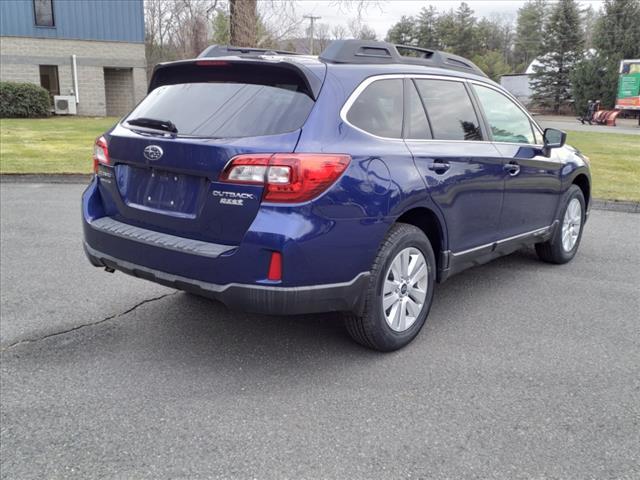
point(287, 177)
point(275, 266)
point(100, 153)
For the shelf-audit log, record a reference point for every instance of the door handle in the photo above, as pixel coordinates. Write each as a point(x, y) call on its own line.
point(512, 168)
point(439, 166)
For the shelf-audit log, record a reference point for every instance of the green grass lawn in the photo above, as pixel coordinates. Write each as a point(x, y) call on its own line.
point(49, 145)
point(615, 163)
point(65, 144)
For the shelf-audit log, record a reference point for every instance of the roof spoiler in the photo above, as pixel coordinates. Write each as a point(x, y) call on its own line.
point(373, 52)
point(213, 51)
point(182, 71)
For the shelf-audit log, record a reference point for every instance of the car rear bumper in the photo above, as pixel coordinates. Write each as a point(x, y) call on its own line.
point(271, 300)
point(318, 272)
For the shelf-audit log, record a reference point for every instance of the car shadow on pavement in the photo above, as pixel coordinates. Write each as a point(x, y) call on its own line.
point(186, 330)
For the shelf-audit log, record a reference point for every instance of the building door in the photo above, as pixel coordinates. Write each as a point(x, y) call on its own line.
point(118, 90)
point(49, 79)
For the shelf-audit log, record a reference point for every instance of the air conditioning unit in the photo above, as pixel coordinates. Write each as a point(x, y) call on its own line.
point(64, 104)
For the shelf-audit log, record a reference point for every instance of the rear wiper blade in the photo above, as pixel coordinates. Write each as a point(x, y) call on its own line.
point(166, 125)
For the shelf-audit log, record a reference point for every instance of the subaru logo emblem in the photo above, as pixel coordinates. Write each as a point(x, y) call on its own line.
point(153, 152)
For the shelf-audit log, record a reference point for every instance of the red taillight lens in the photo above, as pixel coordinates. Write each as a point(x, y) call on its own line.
point(100, 153)
point(287, 177)
point(275, 266)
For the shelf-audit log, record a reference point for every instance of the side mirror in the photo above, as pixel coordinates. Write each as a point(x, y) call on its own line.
point(554, 138)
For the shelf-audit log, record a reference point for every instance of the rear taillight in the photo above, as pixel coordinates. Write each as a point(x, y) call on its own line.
point(100, 153)
point(287, 177)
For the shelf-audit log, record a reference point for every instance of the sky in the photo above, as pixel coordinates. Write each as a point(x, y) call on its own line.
point(381, 15)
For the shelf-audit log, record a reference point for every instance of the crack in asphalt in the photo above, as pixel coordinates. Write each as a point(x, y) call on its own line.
point(90, 324)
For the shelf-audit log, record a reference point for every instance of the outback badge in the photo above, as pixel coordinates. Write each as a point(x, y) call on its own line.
point(233, 198)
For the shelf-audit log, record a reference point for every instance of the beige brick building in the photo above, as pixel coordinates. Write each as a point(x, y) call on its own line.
point(110, 66)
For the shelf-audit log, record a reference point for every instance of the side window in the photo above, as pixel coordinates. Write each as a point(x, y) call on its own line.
point(378, 109)
point(508, 123)
point(417, 127)
point(450, 111)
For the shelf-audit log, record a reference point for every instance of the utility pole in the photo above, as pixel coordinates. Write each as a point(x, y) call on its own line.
point(312, 20)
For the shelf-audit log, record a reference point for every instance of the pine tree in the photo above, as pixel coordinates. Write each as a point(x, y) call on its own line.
point(425, 28)
point(488, 35)
point(563, 42)
point(492, 63)
point(465, 22)
point(616, 37)
point(530, 24)
point(446, 30)
point(618, 29)
point(593, 79)
point(589, 19)
point(403, 32)
point(220, 34)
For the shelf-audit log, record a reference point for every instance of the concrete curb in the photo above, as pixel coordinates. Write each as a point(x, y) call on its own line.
point(597, 204)
point(616, 205)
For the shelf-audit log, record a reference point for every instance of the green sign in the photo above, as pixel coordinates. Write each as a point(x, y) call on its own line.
point(629, 85)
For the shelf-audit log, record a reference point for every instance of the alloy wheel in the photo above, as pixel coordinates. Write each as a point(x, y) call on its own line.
point(571, 224)
point(405, 289)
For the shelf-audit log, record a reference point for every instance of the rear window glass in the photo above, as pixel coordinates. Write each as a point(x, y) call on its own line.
point(227, 109)
point(378, 109)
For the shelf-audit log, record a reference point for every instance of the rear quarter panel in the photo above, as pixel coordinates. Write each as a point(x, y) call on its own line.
point(380, 184)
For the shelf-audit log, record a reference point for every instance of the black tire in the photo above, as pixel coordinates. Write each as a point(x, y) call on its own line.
point(371, 328)
point(552, 251)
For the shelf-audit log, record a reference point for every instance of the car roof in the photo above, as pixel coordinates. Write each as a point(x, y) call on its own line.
point(403, 69)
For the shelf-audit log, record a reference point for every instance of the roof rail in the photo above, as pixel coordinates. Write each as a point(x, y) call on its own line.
point(230, 50)
point(368, 52)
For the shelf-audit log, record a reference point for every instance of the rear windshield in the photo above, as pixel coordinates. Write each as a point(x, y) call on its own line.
point(227, 109)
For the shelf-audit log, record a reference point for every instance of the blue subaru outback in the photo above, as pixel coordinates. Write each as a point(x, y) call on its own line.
point(349, 182)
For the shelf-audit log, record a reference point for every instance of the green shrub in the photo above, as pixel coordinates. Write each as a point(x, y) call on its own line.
point(23, 100)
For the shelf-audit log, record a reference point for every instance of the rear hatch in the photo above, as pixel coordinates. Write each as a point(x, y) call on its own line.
point(168, 154)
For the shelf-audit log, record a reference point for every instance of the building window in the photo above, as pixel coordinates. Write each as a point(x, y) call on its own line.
point(49, 79)
point(43, 10)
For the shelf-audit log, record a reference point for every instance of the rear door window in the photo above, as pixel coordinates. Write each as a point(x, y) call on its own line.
point(450, 111)
point(227, 109)
point(378, 109)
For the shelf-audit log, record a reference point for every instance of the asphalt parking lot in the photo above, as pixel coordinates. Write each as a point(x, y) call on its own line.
point(524, 370)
